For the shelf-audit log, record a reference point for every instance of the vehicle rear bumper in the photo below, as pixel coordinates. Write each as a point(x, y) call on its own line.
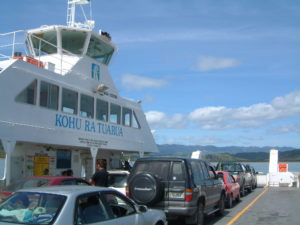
point(179, 211)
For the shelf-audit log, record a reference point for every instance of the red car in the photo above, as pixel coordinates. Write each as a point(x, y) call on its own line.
point(232, 187)
point(40, 181)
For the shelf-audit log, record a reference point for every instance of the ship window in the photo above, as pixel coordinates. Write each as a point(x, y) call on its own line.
point(135, 122)
point(86, 106)
point(44, 42)
point(69, 101)
point(101, 110)
point(63, 159)
point(115, 112)
point(73, 41)
point(28, 95)
point(49, 95)
point(99, 50)
point(126, 116)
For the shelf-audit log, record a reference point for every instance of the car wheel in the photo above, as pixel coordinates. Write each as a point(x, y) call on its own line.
point(250, 189)
point(221, 205)
point(238, 198)
point(242, 191)
point(229, 201)
point(200, 214)
point(146, 189)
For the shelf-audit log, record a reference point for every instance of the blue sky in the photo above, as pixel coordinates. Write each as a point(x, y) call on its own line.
point(221, 73)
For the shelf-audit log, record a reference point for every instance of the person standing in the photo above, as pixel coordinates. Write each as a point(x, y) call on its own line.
point(101, 175)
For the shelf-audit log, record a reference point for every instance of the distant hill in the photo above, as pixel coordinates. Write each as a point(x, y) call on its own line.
point(186, 150)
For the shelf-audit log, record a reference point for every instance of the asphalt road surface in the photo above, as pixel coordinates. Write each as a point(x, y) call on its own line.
point(276, 205)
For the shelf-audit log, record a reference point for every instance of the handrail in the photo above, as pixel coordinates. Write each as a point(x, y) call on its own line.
point(14, 44)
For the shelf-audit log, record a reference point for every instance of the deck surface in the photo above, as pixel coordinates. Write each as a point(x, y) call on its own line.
point(275, 205)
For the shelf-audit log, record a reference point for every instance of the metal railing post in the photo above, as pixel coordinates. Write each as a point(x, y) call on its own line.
point(13, 44)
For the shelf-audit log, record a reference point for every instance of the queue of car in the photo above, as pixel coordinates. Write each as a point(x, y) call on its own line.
point(157, 190)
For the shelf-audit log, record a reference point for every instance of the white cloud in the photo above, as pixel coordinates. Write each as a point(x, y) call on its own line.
point(220, 117)
point(210, 113)
point(207, 63)
point(161, 120)
point(285, 129)
point(135, 82)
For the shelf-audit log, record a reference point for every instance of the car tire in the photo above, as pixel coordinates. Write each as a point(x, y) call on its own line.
point(221, 205)
point(238, 198)
point(200, 214)
point(242, 191)
point(229, 201)
point(250, 189)
point(146, 189)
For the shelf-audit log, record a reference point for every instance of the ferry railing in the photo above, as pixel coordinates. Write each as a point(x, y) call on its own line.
point(10, 44)
point(57, 57)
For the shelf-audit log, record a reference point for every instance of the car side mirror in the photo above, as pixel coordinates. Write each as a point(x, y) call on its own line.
point(142, 208)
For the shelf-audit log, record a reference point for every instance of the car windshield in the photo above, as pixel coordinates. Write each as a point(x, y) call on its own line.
point(28, 183)
point(117, 180)
point(231, 167)
point(31, 208)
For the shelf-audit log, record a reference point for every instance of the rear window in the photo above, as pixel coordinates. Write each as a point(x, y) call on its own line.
point(117, 180)
point(177, 173)
point(232, 167)
point(158, 168)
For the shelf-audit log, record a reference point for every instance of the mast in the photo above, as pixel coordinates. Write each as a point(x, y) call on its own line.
point(71, 14)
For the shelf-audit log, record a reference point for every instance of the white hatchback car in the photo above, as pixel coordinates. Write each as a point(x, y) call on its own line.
point(117, 179)
point(66, 205)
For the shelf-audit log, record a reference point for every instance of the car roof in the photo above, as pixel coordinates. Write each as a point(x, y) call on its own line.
point(118, 171)
point(168, 159)
point(52, 177)
point(65, 189)
point(229, 162)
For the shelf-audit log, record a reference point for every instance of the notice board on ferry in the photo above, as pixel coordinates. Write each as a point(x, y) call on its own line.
point(40, 164)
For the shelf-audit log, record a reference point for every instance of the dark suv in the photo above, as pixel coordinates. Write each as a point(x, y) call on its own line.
point(240, 173)
point(182, 187)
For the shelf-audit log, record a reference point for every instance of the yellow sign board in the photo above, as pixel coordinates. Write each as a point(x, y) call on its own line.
point(41, 163)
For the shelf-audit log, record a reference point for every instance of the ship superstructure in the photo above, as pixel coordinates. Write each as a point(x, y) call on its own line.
point(59, 106)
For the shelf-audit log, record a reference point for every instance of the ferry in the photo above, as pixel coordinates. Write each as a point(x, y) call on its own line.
point(60, 108)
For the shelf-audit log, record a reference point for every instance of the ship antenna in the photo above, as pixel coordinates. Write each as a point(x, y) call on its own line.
point(71, 14)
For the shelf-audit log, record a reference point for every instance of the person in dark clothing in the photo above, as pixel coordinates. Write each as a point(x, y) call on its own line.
point(100, 177)
point(127, 166)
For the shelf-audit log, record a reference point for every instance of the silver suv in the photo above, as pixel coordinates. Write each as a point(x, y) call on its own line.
point(182, 187)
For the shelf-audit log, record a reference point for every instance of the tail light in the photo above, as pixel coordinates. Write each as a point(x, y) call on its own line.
point(188, 195)
point(127, 192)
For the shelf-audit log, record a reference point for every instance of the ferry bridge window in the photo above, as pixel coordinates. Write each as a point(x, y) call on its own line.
point(115, 113)
point(44, 42)
point(99, 50)
point(69, 101)
point(73, 41)
point(126, 116)
point(135, 122)
point(63, 159)
point(28, 95)
point(49, 95)
point(101, 110)
point(86, 106)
